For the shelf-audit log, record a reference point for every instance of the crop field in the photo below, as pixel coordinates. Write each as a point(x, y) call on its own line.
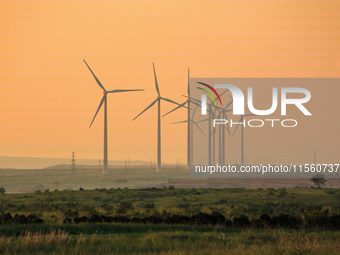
point(170, 220)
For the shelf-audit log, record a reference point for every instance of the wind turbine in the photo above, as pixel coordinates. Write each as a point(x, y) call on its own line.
point(212, 133)
point(189, 126)
point(157, 100)
point(104, 101)
point(242, 146)
point(191, 123)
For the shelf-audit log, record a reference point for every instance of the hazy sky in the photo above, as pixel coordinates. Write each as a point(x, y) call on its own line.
point(49, 97)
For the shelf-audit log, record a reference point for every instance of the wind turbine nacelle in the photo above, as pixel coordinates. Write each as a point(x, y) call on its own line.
point(239, 106)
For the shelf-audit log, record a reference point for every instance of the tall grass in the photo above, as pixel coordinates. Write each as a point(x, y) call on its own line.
point(178, 242)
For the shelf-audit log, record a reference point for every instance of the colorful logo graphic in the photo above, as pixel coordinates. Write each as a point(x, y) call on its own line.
point(212, 89)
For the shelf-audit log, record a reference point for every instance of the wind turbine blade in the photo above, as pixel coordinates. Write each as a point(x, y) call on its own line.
point(192, 99)
point(188, 82)
point(228, 104)
point(181, 105)
point(222, 93)
point(184, 121)
point(194, 112)
point(197, 104)
point(199, 127)
point(154, 71)
point(237, 126)
point(170, 101)
point(100, 105)
point(202, 120)
point(99, 83)
point(124, 90)
point(146, 109)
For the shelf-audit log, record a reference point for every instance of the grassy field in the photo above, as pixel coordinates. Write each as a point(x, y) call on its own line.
point(164, 202)
point(59, 202)
point(172, 241)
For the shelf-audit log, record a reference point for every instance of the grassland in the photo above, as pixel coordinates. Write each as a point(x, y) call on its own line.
point(59, 202)
point(175, 242)
point(165, 202)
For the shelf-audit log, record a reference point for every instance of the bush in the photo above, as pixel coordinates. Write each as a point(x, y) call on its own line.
point(329, 191)
point(221, 201)
point(2, 190)
point(121, 210)
point(146, 205)
point(71, 213)
point(183, 205)
point(282, 192)
point(270, 192)
point(123, 207)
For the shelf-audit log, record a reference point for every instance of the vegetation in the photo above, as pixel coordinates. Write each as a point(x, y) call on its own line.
point(172, 241)
point(318, 179)
point(54, 205)
point(301, 202)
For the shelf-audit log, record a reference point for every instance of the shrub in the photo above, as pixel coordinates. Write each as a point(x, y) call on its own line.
point(282, 192)
point(270, 191)
point(221, 201)
point(146, 205)
point(126, 205)
point(2, 190)
point(123, 207)
point(71, 213)
point(329, 191)
point(121, 210)
point(183, 205)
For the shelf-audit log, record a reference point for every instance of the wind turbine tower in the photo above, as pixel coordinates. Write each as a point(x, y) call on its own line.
point(104, 101)
point(158, 101)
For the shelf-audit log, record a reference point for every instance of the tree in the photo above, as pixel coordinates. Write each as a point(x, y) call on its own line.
point(2, 190)
point(318, 179)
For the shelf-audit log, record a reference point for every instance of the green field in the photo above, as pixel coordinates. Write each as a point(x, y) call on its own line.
point(57, 201)
point(165, 201)
point(172, 241)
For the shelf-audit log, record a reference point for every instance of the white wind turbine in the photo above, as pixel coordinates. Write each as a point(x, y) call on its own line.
point(189, 125)
point(242, 139)
point(158, 99)
point(104, 100)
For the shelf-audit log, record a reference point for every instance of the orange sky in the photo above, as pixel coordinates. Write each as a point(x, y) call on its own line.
point(48, 96)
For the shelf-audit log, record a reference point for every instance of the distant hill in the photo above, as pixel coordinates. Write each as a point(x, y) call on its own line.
point(39, 163)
